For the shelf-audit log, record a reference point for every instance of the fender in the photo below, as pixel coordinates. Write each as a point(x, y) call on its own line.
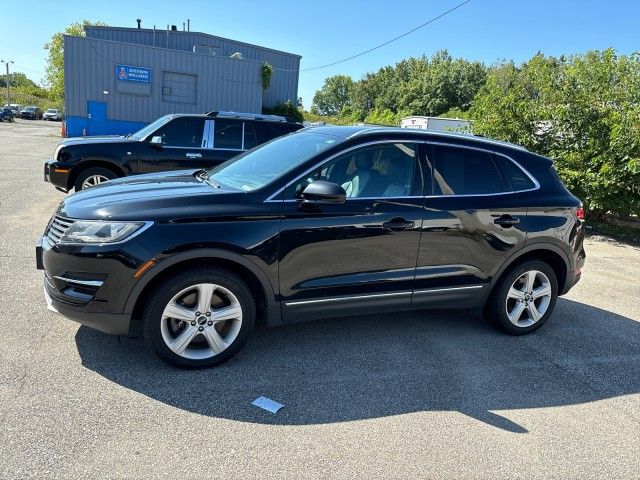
point(272, 312)
point(519, 254)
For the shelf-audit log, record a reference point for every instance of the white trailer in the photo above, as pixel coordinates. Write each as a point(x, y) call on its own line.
point(438, 124)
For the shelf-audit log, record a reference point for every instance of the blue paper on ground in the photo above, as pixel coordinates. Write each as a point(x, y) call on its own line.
point(267, 404)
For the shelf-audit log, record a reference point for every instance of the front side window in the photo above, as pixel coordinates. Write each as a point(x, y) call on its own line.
point(183, 132)
point(377, 171)
point(228, 134)
point(464, 171)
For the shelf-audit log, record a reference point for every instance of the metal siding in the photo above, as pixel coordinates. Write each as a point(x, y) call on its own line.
point(223, 83)
point(284, 81)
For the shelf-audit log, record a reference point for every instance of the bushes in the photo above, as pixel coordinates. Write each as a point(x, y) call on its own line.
point(286, 109)
point(582, 111)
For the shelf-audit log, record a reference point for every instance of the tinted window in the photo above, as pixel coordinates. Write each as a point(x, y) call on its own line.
point(518, 179)
point(228, 134)
point(182, 132)
point(378, 171)
point(267, 131)
point(463, 171)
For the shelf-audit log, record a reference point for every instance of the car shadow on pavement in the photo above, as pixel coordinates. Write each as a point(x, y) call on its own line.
point(370, 367)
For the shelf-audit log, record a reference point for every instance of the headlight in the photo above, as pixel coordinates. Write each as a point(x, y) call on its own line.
point(98, 231)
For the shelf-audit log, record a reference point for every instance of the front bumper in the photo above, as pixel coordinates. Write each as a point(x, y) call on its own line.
point(112, 323)
point(88, 285)
point(57, 174)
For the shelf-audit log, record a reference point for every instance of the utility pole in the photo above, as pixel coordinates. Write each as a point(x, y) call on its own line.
point(7, 64)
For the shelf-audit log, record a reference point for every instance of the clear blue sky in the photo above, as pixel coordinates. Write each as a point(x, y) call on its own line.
point(323, 31)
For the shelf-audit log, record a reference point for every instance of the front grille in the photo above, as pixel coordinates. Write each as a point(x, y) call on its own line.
point(58, 226)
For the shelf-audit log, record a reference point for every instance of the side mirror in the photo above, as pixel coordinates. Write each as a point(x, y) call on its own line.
point(156, 141)
point(321, 192)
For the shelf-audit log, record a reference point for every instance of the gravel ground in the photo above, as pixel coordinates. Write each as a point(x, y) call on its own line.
point(415, 395)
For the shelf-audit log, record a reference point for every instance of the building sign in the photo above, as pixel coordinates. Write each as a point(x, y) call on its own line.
point(127, 73)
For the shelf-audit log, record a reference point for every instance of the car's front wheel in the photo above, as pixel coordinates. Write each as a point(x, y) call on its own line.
point(524, 298)
point(92, 177)
point(199, 318)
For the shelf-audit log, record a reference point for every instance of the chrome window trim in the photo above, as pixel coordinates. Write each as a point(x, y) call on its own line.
point(322, 162)
point(271, 199)
point(341, 299)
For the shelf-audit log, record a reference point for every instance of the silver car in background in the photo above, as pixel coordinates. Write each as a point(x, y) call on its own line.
point(52, 114)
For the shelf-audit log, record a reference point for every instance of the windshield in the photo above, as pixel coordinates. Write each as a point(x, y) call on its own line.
point(51, 110)
point(152, 127)
point(262, 165)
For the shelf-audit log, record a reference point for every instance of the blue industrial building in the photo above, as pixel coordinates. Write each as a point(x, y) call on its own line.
point(116, 80)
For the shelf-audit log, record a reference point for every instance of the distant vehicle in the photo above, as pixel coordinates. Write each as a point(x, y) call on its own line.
point(6, 114)
point(173, 142)
point(437, 124)
point(52, 114)
point(31, 113)
point(15, 108)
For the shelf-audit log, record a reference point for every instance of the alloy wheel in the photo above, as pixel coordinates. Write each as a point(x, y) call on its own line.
point(94, 180)
point(528, 298)
point(201, 321)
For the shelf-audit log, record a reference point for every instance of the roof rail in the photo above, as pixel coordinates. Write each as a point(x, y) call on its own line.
point(247, 116)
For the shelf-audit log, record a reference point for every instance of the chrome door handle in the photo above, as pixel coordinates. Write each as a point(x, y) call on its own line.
point(398, 224)
point(507, 221)
point(194, 155)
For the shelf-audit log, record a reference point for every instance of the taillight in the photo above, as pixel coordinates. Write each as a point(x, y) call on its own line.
point(580, 213)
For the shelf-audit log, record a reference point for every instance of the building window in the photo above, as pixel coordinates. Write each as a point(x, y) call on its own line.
point(179, 88)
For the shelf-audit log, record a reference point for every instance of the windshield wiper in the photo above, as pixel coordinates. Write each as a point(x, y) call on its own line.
point(202, 175)
point(212, 182)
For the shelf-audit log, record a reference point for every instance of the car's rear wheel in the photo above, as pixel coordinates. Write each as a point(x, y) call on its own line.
point(92, 177)
point(524, 298)
point(200, 318)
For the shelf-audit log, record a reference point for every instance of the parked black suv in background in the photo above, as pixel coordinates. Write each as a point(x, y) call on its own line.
point(329, 221)
point(172, 142)
point(31, 113)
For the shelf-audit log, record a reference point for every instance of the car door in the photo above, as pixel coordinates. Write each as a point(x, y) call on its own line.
point(359, 256)
point(182, 147)
point(471, 225)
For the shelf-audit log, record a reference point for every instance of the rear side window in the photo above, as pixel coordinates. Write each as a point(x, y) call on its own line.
point(268, 131)
point(464, 171)
point(515, 175)
point(227, 134)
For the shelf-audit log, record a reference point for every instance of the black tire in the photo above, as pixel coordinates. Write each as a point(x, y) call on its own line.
point(104, 172)
point(496, 307)
point(154, 308)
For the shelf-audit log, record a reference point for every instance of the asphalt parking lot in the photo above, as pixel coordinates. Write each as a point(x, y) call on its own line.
point(415, 395)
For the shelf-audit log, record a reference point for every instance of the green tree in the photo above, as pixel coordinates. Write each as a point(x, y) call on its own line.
point(334, 95)
point(54, 71)
point(582, 111)
point(420, 86)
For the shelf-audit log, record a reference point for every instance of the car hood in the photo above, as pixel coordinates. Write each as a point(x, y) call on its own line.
point(92, 140)
point(158, 196)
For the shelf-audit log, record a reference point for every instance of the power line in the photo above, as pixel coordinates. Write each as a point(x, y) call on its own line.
point(431, 20)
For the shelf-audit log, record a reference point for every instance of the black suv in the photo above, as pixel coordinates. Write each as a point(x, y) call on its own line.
point(31, 113)
point(173, 142)
point(328, 221)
